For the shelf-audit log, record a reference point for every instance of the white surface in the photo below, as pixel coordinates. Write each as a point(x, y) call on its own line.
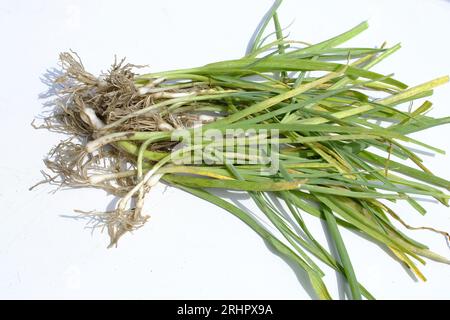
point(189, 249)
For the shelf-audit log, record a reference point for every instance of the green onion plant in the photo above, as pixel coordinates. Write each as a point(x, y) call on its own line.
point(342, 138)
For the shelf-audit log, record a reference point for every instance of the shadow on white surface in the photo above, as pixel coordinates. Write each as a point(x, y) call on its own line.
point(302, 277)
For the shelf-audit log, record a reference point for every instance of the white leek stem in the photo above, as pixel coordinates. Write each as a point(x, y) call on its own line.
point(88, 115)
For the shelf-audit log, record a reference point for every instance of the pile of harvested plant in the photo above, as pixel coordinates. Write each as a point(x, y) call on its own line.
point(335, 129)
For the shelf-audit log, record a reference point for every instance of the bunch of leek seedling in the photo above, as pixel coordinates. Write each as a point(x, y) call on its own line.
point(341, 141)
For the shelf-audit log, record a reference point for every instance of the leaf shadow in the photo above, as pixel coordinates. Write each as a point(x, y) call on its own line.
point(301, 275)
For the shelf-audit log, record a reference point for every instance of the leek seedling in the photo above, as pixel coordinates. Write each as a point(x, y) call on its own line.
point(314, 108)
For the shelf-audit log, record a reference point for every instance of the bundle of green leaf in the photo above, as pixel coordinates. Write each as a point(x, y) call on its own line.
point(341, 136)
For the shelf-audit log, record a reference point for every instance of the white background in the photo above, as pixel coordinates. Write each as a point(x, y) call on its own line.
point(189, 248)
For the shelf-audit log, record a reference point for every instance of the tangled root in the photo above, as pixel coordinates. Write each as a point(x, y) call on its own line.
point(69, 165)
point(117, 224)
point(83, 107)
